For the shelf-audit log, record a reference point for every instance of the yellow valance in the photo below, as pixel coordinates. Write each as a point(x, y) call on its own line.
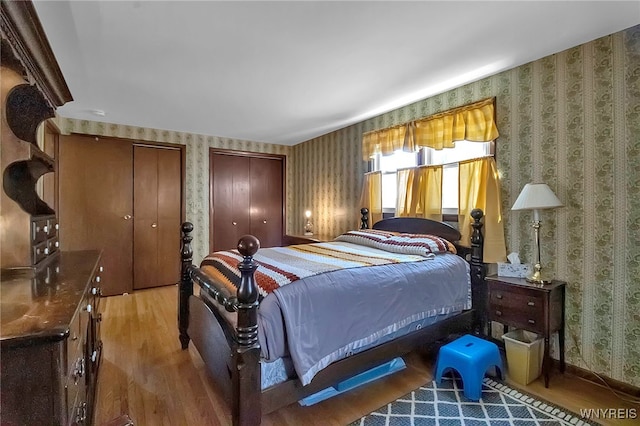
point(474, 122)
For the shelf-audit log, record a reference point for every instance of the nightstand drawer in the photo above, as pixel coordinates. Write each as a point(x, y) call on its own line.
point(515, 317)
point(517, 308)
point(529, 303)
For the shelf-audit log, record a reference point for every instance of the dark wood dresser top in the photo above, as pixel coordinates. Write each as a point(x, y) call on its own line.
point(43, 306)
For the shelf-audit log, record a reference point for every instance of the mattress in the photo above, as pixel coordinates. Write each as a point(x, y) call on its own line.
point(326, 317)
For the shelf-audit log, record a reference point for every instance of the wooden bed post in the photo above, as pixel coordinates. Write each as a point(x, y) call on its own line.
point(364, 220)
point(478, 284)
point(186, 285)
point(245, 374)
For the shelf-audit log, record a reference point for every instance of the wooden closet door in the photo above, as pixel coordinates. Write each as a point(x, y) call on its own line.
point(230, 200)
point(145, 213)
point(266, 201)
point(157, 213)
point(169, 215)
point(96, 204)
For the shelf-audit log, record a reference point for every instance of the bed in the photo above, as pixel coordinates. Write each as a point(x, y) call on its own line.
point(241, 344)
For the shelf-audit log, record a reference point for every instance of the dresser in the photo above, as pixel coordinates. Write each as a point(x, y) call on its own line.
point(50, 342)
point(538, 308)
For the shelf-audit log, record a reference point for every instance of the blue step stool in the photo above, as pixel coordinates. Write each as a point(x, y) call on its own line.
point(470, 356)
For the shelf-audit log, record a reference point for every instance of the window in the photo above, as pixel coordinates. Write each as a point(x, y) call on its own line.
point(448, 158)
point(389, 165)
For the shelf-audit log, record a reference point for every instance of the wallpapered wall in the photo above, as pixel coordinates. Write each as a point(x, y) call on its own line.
point(197, 165)
point(571, 120)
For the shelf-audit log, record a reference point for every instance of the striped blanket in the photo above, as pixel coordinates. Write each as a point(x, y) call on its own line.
point(279, 266)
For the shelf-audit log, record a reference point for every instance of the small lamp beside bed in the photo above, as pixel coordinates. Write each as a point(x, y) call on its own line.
point(308, 227)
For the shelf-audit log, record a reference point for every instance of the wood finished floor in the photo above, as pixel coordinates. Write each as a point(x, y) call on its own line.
point(145, 374)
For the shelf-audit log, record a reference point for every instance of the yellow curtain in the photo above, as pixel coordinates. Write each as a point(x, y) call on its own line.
point(371, 197)
point(473, 122)
point(479, 187)
point(430, 192)
point(387, 141)
point(420, 192)
point(405, 196)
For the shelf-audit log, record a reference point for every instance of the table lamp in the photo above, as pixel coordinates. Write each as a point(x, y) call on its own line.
point(308, 228)
point(536, 197)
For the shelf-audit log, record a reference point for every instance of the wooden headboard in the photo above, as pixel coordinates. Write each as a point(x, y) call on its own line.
point(414, 225)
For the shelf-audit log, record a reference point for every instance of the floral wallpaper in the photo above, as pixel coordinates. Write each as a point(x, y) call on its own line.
point(571, 120)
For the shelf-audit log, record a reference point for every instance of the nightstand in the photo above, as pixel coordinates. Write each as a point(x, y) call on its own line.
point(538, 308)
point(289, 239)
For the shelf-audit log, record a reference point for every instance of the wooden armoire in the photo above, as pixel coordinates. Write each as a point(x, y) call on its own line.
point(127, 198)
point(247, 197)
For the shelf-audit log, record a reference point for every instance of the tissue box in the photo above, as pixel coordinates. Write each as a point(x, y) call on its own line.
point(519, 270)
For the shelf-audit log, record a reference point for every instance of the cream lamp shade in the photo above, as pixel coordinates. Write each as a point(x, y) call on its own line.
point(536, 196)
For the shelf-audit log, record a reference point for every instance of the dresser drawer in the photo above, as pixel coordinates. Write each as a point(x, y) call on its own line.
point(96, 289)
point(75, 343)
point(38, 231)
point(78, 410)
point(51, 228)
point(39, 252)
point(53, 245)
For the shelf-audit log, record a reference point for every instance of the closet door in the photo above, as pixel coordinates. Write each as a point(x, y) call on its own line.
point(266, 201)
point(157, 213)
point(96, 204)
point(246, 198)
point(230, 200)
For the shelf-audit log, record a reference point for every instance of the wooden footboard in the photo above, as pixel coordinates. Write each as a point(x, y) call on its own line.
point(241, 344)
point(232, 353)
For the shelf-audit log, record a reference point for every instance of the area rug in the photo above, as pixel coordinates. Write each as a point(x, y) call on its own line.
point(445, 404)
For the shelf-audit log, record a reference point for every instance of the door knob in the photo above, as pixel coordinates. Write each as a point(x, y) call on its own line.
point(154, 225)
point(234, 223)
point(127, 217)
point(264, 221)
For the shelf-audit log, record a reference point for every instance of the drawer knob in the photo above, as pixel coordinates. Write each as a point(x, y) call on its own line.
point(97, 279)
point(46, 228)
point(532, 321)
point(498, 296)
point(57, 226)
point(101, 269)
point(81, 413)
point(57, 244)
point(530, 303)
point(78, 370)
point(499, 313)
point(88, 308)
point(46, 250)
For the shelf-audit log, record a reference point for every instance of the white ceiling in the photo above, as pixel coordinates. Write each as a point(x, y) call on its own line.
point(285, 72)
